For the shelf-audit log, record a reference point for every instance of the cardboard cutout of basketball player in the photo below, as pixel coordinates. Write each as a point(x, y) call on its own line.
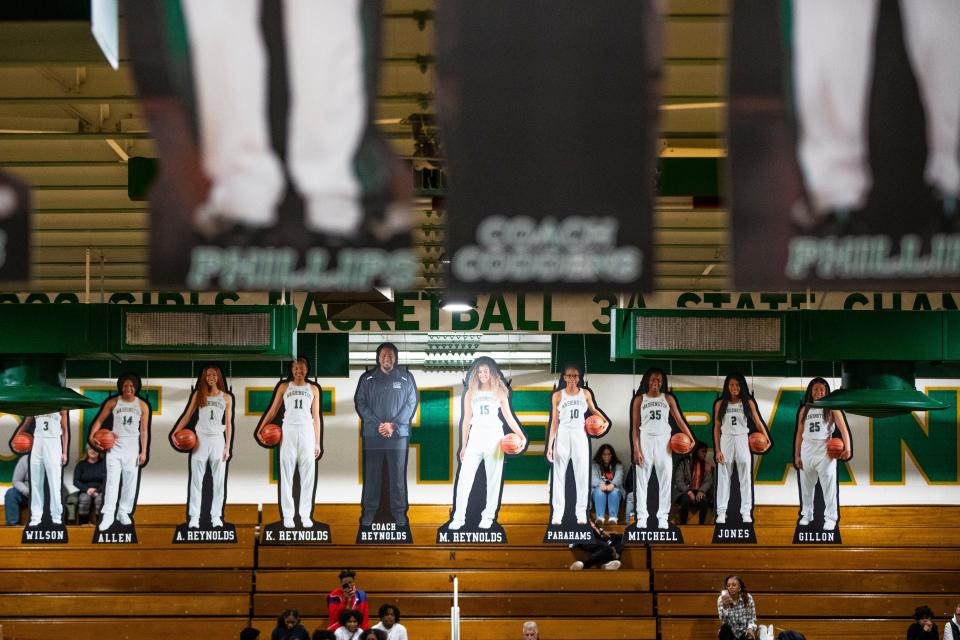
point(655, 418)
point(489, 430)
point(739, 432)
point(48, 449)
point(122, 430)
point(294, 421)
point(849, 114)
point(569, 452)
point(822, 439)
point(14, 229)
point(386, 401)
point(268, 151)
point(205, 431)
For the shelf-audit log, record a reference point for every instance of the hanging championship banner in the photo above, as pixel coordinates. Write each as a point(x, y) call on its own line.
point(739, 432)
point(489, 430)
point(386, 401)
point(237, 102)
point(822, 437)
point(45, 439)
point(550, 124)
point(122, 430)
point(575, 420)
point(14, 229)
point(293, 422)
point(205, 431)
point(658, 430)
point(844, 128)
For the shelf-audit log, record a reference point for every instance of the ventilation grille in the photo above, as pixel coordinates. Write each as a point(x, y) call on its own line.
point(195, 329)
point(751, 335)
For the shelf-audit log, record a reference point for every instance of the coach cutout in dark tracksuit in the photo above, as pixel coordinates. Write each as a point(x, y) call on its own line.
point(386, 400)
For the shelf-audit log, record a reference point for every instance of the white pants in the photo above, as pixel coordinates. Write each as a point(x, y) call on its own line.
point(296, 454)
point(45, 463)
point(328, 109)
point(570, 447)
point(655, 456)
point(209, 451)
point(483, 445)
point(736, 452)
point(817, 465)
point(833, 54)
point(122, 468)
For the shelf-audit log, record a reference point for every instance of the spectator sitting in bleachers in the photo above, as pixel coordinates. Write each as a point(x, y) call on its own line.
point(347, 597)
point(693, 483)
point(606, 482)
point(349, 628)
point(924, 628)
point(323, 634)
point(951, 628)
point(89, 477)
point(531, 631)
point(374, 634)
point(604, 552)
point(18, 494)
point(390, 623)
point(738, 613)
point(289, 627)
point(250, 633)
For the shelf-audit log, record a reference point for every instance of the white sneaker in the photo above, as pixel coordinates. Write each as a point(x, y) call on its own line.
point(194, 523)
point(613, 565)
point(555, 523)
point(455, 525)
point(123, 518)
point(216, 523)
point(58, 521)
point(576, 566)
point(106, 523)
point(804, 521)
point(613, 520)
point(747, 520)
point(33, 522)
point(334, 214)
point(663, 524)
point(288, 523)
point(579, 521)
point(307, 523)
point(486, 523)
point(829, 525)
point(721, 518)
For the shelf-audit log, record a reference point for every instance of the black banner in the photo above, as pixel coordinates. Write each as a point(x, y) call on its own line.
point(550, 120)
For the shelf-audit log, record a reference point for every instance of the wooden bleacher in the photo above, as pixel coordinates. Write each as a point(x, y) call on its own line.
point(893, 559)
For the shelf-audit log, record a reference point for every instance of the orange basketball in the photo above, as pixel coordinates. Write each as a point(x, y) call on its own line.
point(594, 425)
point(511, 443)
point(271, 434)
point(834, 447)
point(681, 443)
point(185, 440)
point(104, 439)
point(22, 443)
point(758, 442)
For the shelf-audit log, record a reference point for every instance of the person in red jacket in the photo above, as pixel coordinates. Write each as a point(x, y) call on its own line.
point(347, 597)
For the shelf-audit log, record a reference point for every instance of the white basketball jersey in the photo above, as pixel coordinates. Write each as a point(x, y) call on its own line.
point(815, 427)
point(210, 418)
point(572, 410)
point(485, 408)
point(48, 426)
point(297, 401)
point(655, 416)
point(734, 421)
point(126, 418)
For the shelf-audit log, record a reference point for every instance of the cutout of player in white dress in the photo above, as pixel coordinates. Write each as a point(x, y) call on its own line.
point(815, 465)
point(569, 447)
point(735, 420)
point(296, 404)
point(128, 416)
point(654, 417)
point(209, 417)
point(485, 413)
point(48, 456)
